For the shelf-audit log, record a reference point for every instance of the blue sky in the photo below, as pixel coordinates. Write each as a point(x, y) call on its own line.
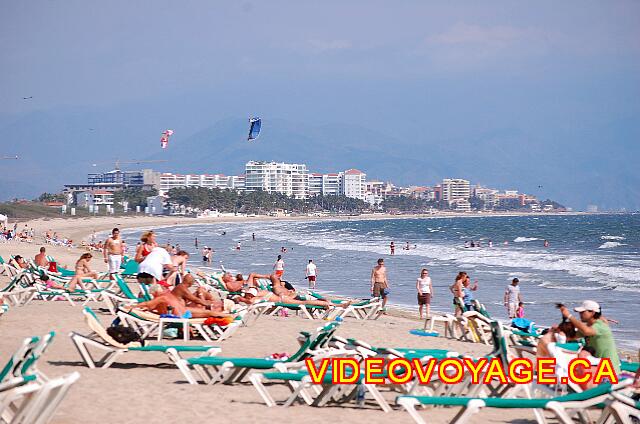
point(447, 70)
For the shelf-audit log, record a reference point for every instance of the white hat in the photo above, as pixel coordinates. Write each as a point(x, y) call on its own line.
point(588, 305)
point(252, 291)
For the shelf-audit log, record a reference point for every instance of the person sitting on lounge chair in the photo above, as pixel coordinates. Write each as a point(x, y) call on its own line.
point(281, 294)
point(561, 333)
point(82, 271)
point(235, 284)
point(50, 284)
point(179, 262)
point(18, 262)
point(179, 298)
point(41, 258)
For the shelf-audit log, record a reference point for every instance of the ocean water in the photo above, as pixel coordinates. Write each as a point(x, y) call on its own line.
point(589, 257)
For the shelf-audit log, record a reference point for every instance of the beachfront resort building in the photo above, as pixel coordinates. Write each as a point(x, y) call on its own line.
point(167, 181)
point(454, 189)
point(111, 181)
point(326, 184)
point(93, 198)
point(355, 184)
point(291, 179)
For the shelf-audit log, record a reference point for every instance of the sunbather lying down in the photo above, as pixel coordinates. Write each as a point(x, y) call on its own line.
point(182, 300)
point(283, 295)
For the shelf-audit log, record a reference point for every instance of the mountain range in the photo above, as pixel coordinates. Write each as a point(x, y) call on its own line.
point(575, 168)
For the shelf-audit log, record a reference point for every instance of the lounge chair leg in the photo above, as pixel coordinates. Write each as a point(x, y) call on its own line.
point(257, 381)
point(559, 412)
point(409, 404)
point(378, 397)
point(183, 366)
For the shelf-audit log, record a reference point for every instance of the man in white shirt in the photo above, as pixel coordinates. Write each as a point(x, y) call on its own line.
point(311, 273)
point(512, 298)
point(151, 268)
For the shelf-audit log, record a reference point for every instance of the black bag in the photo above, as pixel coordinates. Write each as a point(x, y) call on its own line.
point(124, 335)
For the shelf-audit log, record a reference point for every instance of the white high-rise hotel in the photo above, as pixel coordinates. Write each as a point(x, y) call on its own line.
point(294, 180)
point(326, 184)
point(454, 189)
point(276, 177)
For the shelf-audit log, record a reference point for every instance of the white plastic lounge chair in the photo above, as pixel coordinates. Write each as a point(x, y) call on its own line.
point(561, 406)
point(229, 370)
point(301, 385)
point(35, 403)
point(101, 340)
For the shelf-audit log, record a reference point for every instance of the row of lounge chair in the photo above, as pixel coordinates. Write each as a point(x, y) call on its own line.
point(27, 395)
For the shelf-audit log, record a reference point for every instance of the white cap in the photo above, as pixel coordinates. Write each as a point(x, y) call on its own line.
point(252, 291)
point(588, 305)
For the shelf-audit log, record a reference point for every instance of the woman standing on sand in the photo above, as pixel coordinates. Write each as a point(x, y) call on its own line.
point(148, 239)
point(82, 271)
point(425, 291)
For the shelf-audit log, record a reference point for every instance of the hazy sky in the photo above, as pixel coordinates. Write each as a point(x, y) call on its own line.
point(451, 69)
point(97, 53)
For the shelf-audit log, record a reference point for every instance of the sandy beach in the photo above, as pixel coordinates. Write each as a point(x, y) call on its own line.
point(147, 388)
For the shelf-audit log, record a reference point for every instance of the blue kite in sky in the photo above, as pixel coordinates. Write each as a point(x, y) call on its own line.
point(254, 128)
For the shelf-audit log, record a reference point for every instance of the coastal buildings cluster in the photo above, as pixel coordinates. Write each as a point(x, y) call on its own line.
point(296, 181)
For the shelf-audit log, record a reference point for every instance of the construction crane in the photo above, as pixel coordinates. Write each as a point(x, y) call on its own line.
point(8, 157)
point(119, 162)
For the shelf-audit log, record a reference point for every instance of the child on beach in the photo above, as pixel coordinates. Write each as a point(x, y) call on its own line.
point(520, 310)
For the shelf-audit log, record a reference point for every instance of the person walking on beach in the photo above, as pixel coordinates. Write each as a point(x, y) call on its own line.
point(253, 236)
point(392, 248)
point(595, 329)
point(512, 298)
point(196, 242)
point(379, 282)
point(278, 267)
point(112, 252)
point(425, 291)
point(311, 273)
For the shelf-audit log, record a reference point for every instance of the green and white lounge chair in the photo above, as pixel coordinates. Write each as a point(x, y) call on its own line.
point(124, 295)
point(35, 402)
point(100, 339)
point(8, 270)
point(301, 385)
point(621, 409)
point(14, 382)
point(561, 406)
point(24, 360)
point(147, 323)
point(308, 311)
point(130, 269)
point(19, 289)
point(229, 370)
point(365, 309)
